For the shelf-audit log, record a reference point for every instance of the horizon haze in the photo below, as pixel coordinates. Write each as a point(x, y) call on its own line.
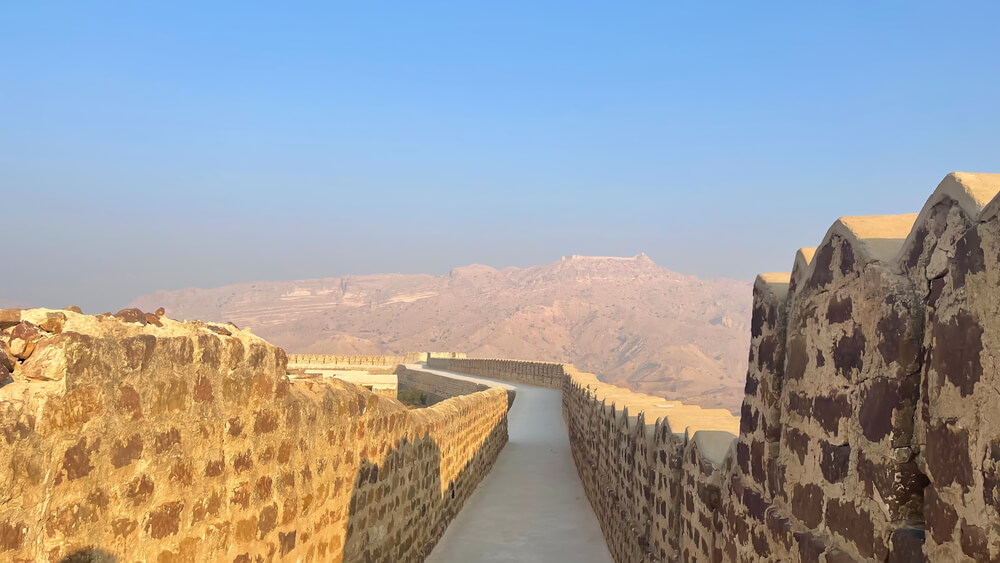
point(147, 148)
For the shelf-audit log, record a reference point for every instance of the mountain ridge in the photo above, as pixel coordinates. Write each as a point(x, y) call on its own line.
point(630, 321)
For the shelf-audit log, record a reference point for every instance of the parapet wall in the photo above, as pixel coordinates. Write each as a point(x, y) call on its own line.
point(542, 374)
point(331, 361)
point(869, 428)
point(650, 468)
point(437, 388)
point(141, 438)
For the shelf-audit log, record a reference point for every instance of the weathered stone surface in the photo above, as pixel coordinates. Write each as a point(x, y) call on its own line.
point(9, 318)
point(956, 354)
point(53, 322)
point(131, 315)
point(880, 418)
point(835, 460)
point(906, 546)
point(947, 456)
point(23, 338)
point(7, 358)
point(807, 504)
point(139, 442)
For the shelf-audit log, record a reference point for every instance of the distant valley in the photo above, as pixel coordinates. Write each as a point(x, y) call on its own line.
point(628, 320)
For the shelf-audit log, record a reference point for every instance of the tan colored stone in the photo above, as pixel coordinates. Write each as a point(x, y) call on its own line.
point(7, 358)
point(9, 318)
point(131, 434)
point(53, 322)
point(47, 363)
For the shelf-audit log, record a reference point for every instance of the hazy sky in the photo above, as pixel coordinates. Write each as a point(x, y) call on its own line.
point(147, 147)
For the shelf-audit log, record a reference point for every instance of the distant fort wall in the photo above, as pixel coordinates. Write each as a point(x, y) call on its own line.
point(377, 364)
point(542, 374)
point(139, 438)
point(366, 361)
point(436, 387)
point(869, 429)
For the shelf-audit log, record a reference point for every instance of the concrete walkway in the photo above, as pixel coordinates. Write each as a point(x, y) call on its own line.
point(531, 507)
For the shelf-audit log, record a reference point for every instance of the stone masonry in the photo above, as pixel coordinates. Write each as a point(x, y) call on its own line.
point(869, 428)
point(136, 437)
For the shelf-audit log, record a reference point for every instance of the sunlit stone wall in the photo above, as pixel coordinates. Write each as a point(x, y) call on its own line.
point(142, 438)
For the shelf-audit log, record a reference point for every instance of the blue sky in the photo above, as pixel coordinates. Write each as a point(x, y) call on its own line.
point(147, 147)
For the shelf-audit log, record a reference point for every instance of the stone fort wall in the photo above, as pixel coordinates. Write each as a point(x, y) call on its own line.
point(868, 431)
point(436, 387)
point(364, 361)
point(140, 438)
point(375, 364)
point(542, 374)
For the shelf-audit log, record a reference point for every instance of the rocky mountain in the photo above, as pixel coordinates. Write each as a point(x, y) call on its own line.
point(628, 320)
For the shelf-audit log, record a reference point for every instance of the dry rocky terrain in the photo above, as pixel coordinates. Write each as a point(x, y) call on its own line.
point(627, 319)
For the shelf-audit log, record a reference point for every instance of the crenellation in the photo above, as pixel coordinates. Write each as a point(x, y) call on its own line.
point(865, 418)
point(958, 436)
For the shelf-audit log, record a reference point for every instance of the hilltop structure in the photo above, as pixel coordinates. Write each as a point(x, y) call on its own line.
point(866, 432)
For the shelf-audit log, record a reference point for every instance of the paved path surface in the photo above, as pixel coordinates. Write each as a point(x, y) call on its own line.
point(531, 507)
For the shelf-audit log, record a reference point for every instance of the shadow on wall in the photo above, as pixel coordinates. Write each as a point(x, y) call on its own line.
point(92, 555)
point(398, 510)
point(188, 442)
point(403, 522)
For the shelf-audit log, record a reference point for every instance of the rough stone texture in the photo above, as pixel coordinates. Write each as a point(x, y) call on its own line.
point(630, 450)
point(754, 483)
point(188, 442)
point(959, 432)
point(9, 317)
point(869, 413)
point(854, 336)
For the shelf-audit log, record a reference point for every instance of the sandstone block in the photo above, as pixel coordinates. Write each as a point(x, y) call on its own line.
point(53, 323)
point(48, 360)
point(23, 337)
point(131, 315)
point(9, 317)
point(7, 358)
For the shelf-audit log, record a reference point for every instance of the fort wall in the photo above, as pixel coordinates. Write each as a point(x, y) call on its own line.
point(340, 361)
point(868, 430)
point(141, 438)
point(371, 364)
point(437, 387)
point(542, 374)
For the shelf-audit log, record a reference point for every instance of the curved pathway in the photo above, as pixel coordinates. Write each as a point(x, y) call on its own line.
point(531, 507)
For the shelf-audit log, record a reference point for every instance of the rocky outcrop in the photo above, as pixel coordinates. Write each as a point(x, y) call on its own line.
point(634, 323)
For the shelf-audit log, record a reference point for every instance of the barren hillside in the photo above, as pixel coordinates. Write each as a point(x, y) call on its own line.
point(626, 319)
